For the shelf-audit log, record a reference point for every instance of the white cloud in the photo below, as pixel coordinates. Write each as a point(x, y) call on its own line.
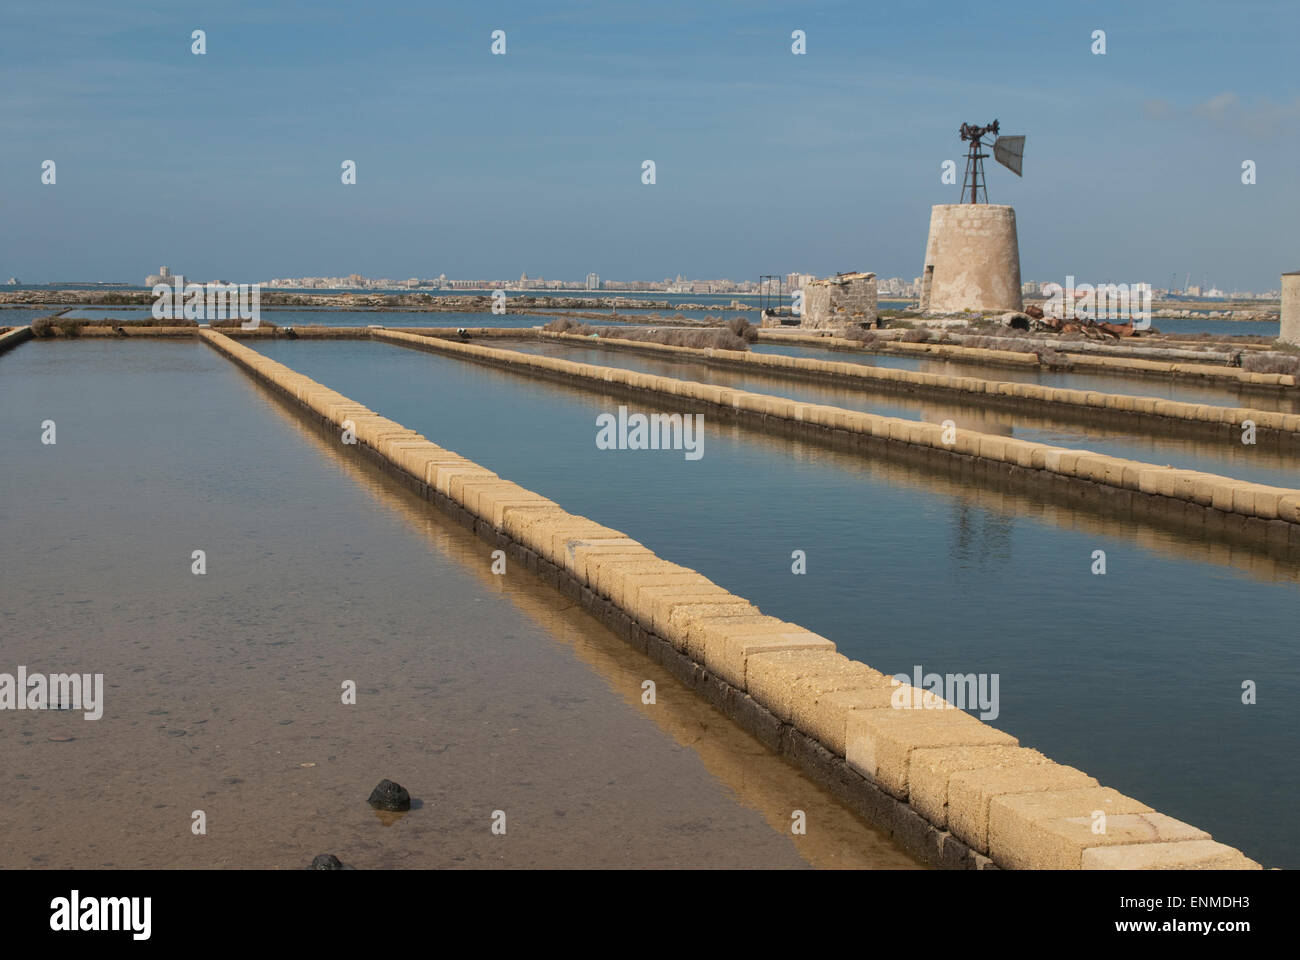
point(1261, 120)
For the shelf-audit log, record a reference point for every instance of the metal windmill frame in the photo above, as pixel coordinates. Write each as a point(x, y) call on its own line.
point(1008, 151)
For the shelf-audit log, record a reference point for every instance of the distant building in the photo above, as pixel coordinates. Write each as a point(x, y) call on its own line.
point(894, 287)
point(164, 275)
point(797, 281)
point(847, 299)
point(593, 281)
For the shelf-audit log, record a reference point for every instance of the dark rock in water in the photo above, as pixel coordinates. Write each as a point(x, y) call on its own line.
point(390, 796)
point(326, 861)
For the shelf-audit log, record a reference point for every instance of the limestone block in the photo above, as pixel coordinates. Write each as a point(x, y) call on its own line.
point(652, 604)
point(879, 743)
point(971, 791)
point(478, 496)
point(820, 704)
point(681, 619)
point(1243, 499)
point(992, 448)
point(516, 518)
point(770, 677)
point(412, 456)
point(434, 463)
point(1020, 452)
point(729, 647)
point(606, 569)
point(1051, 830)
point(1223, 492)
point(932, 768)
point(538, 534)
point(623, 582)
point(1180, 855)
point(564, 540)
point(451, 481)
point(584, 556)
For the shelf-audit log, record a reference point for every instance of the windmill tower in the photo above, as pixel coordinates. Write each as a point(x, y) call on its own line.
point(972, 255)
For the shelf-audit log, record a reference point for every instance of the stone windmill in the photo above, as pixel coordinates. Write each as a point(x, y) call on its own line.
point(972, 255)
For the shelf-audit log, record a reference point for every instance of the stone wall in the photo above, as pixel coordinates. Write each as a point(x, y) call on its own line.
point(1124, 365)
point(834, 302)
point(947, 786)
point(12, 338)
point(1251, 506)
point(1144, 414)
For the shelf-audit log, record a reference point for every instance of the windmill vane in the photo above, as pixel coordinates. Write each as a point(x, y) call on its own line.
point(1008, 151)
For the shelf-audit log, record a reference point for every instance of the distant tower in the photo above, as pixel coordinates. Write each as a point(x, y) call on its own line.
point(165, 272)
point(972, 255)
point(1290, 332)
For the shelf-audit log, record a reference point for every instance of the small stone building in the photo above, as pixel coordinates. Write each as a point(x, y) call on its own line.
point(843, 300)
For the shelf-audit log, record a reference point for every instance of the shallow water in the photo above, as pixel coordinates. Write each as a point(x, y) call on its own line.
point(1258, 463)
point(1134, 676)
point(1220, 328)
point(223, 691)
point(1218, 395)
point(21, 316)
point(296, 316)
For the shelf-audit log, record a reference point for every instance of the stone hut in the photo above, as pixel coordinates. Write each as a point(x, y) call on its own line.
point(839, 301)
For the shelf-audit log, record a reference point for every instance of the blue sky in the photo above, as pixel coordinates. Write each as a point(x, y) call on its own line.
point(228, 165)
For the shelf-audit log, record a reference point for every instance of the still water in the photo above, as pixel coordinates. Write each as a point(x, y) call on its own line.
point(1134, 676)
point(1227, 457)
point(1169, 389)
point(223, 690)
point(292, 316)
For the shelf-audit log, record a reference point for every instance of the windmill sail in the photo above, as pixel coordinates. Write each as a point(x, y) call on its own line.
point(1009, 151)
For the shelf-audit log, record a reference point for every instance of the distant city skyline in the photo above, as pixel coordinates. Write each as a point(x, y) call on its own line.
point(888, 287)
point(765, 160)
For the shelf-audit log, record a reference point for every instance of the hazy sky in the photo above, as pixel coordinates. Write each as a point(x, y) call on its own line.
point(227, 165)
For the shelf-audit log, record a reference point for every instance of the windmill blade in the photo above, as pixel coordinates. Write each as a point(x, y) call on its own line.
point(1010, 152)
